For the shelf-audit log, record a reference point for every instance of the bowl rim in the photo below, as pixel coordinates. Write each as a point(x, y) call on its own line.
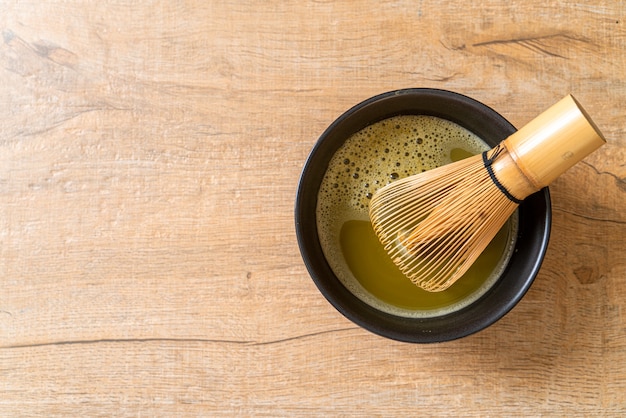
point(486, 310)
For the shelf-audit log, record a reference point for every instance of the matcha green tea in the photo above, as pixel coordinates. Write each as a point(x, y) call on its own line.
point(373, 157)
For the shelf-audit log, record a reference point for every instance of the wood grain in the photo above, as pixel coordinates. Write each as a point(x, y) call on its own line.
point(149, 157)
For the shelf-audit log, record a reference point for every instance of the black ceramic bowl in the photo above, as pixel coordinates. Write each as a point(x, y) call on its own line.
point(519, 273)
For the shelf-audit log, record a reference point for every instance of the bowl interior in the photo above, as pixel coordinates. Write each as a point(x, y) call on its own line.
point(524, 264)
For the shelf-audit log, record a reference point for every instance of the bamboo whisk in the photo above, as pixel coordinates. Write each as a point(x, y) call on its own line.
point(435, 224)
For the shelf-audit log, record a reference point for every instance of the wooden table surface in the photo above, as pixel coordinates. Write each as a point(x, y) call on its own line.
point(149, 158)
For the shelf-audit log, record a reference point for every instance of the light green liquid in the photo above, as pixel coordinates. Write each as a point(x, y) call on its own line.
point(371, 158)
point(375, 271)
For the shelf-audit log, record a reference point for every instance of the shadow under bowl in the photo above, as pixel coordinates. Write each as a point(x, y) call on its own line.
point(533, 224)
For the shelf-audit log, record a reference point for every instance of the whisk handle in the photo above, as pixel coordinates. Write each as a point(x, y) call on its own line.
point(553, 142)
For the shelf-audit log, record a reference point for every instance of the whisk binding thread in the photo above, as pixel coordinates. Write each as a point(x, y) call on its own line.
point(488, 161)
